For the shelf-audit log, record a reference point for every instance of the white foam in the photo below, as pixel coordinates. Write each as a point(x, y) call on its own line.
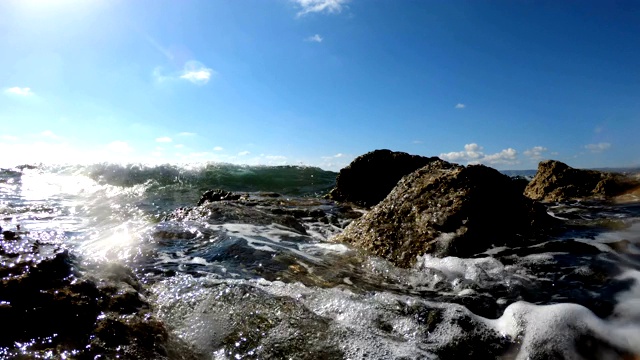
point(329, 247)
point(631, 233)
point(554, 329)
point(275, 237)
point(458, 272)
point(191, 306)
point(628, 307)
point(471, 269)
point(355, 318)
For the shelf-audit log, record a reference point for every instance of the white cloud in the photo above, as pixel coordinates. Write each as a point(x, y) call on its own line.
point(599, 147)
point(335, 162)
point(504, 157)
point(454, 156)
point(193, 71)
point(8, 138)
point(164, 139)
point(319, 6)
point(460, 106)
point(196, 73)
point(535, 152)
point(178, 146)
point(186, 133)
point(25, 91)
point(244, 153)
point(120, 147)
point(49, 135)
point(473, 154)
point(315, 38)
point(473, 150)
point(218, 148)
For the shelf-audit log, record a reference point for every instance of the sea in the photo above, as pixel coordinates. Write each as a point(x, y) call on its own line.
point(258, 277)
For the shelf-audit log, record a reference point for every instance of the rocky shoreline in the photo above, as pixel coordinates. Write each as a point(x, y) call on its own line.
point(396, 206)
point(49, 301)
point(423, 205)
point(451, 210)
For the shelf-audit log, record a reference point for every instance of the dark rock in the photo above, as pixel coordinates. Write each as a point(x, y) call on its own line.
point(235, 213)
point(569, 246)
point(217, 195)
point(269, 195)
point(10, 235)
point(370, 177)
point(448, 210)
point(257, 209)
point(556, 181)
point(276, 328)
point(520, 182)
point(49, 308)
point(471, 339)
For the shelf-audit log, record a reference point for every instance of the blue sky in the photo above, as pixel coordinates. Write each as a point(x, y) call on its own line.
point(319, 82)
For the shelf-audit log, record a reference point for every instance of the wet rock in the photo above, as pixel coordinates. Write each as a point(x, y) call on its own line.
point(428, 317)
point(9, 235)
point(621, 246)
point(252, 324)
point(520, 182)
point(447, 210)
point(42, 302)
point(588, 278)
point(129, 337)
point(51, 309)
point(261, 209)
point(219, 213)
point(471, 339)
point(569, 246)
point(370, 177)
point(556, 181)
point(217, 195)
point(269, 195)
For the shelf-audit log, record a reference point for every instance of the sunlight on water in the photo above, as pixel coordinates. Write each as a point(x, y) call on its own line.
point(112, 244)
point(38, 186)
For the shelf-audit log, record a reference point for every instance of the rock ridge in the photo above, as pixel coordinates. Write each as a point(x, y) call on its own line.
point(370, 177)
point(447, 210)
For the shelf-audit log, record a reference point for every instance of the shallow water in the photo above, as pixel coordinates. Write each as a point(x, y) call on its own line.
point(259, 278)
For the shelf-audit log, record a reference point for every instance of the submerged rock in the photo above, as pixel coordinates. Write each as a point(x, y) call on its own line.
point(370, 177)
point(217, 207)
point(10, 235)
point(556, 181)
point(218, 213)
point(447, 210)
point(217, 195)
